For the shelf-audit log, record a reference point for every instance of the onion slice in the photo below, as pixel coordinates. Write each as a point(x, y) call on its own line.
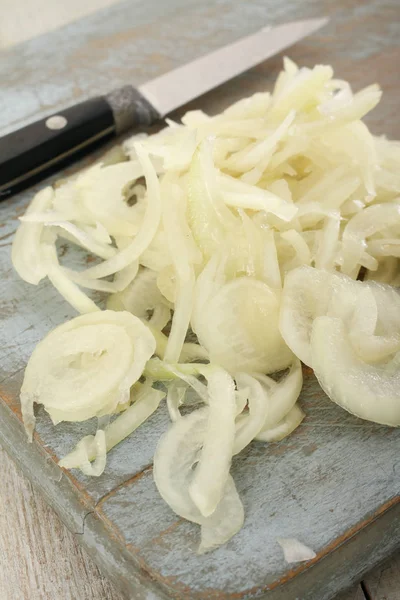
point(177, 452)
point(371, 392)
point(86, 367)
point(144, 404)
point(148, 227)
point(211, 474)
point(26, 248)
point(239, 327)
point(285, 427)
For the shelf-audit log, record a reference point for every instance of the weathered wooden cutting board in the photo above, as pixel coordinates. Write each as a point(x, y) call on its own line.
point(334, 484)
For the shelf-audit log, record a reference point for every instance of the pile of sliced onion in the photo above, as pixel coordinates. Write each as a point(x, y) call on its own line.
point(231, 248)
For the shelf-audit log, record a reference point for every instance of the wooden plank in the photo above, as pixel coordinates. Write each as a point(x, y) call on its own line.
point(354, 593)
point(40, 558)
point(332, 483)
point(383, 583)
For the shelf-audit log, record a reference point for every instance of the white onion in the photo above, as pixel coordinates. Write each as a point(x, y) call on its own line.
point(363, 225)
point(283, 394)
point(144, 402)
point(63, 283)
point(248, 426)
point(86, 366)
point(90, 448)
point(252, 228)
point(305, 296)
point(177, 451)
point(282, 429)
point(178, 248)
point(141, 296)
point(208, 217)
point(82, 238)
point(175, 397)
point(147, 230)
point(309, 294)
point(211, 474)
point(26, 248)
point(369, 391)
point(238, 326)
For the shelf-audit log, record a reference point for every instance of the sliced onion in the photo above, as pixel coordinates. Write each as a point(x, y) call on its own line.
point(148, 227)
point(88, 448)
point(211, 474)
point(248, 426)
point(82, 238)
point(328, 243)
point(364, 224)
point(91, 448)
point(208, 216)
point(175, 398)
point(178, 248)
point(236, 207)
point(258, 155)
point(306, 295)
point(99, 192)
point(225, 521)
point(282, 429)
point(141, 296)
point(189, 378)
point(368, 391)
point(239, 327)
point(61, 281)
point(283, 395)
point(177, 452)
point(237, 193)
point(26, 248)
point(86, 367)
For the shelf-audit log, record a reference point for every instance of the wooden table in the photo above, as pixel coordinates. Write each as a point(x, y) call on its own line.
point(40, 558)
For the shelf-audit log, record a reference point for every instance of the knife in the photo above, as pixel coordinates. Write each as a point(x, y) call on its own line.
point(35, 151)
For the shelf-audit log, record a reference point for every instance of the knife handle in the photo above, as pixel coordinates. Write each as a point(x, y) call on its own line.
point(41, 148)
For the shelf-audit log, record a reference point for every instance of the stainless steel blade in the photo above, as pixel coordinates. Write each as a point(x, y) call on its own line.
point(179, 86)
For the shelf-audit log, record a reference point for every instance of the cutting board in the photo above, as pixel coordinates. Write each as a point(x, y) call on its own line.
point(334, 483)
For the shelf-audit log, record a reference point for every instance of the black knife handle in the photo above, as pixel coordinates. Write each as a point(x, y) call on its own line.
point(41, 148)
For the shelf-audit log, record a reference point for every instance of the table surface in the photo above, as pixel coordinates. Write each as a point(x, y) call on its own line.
point(40, 558)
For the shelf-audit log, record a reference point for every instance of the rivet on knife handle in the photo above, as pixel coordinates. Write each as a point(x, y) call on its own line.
point(39, 149)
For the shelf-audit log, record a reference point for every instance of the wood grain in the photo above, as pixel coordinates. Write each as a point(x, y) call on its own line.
point(40, 558)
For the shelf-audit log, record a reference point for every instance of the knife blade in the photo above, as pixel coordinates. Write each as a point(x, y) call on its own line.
point(29, 154)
